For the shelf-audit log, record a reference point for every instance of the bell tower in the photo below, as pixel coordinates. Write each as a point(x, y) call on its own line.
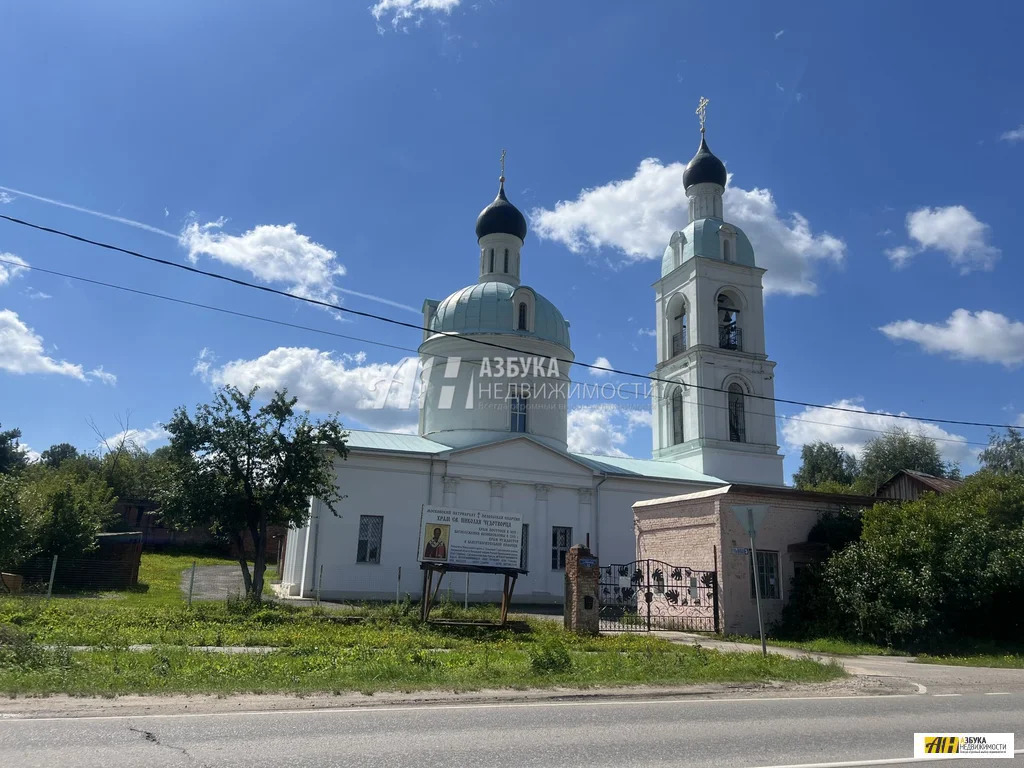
point(716, 416)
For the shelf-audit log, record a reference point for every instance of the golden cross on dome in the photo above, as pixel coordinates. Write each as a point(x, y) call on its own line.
point(702, 109)
point(503, 165)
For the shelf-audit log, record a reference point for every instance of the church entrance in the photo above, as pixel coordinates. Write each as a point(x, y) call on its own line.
point(648, 595)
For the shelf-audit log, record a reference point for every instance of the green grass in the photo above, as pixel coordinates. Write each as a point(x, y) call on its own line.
point(824, 645)
point(384, 659)
point(322, 650)
point(1000, 660)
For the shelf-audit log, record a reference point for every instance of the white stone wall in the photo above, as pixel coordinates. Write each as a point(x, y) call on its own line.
point(546, 488)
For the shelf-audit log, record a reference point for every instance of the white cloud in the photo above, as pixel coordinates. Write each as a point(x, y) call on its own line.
point(952, 230)
point(404, 12)
point(104, 376)
point(780, 33)
point(646, 332)
point(32, 455)
point(32, 293)
point(604, 362)
point(986, 336)
point(1015, 135)
point(603, 429)
point(139, 438)
point(636, 217)
point(15, 266)
point(21, 350)
point(5, 198)
point(270, 252)
point(852, 431)
point(276, 254)
point(324, 382)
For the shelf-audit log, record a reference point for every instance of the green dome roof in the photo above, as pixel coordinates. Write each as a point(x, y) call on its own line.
point(702, 238)
point(488, 308)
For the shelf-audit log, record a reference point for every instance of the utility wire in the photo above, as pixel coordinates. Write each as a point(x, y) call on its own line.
point(495, 345)
point(361, 340)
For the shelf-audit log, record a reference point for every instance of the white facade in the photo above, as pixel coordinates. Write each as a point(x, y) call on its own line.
point(496, 440)
point(709, 309)
point(548, 487)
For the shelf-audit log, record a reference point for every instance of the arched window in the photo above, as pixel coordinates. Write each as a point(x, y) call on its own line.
point(677, 416)
point(679, 331)
point(522, 316)
point(518, 407)
point(727, 250)
point(729, 336)
point(506, 261)
point(492, 261)
point(737, 415)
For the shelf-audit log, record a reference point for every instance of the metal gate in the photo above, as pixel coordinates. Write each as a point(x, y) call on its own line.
point(647, 595)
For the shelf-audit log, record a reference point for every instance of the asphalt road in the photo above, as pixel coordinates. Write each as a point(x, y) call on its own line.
point(737, 732)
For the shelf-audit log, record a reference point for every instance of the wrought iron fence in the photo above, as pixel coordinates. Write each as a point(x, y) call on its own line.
point(648, 595)
point(730, 337)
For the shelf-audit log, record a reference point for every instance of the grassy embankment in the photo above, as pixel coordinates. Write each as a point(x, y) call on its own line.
point(320, 650)
point(970, 654)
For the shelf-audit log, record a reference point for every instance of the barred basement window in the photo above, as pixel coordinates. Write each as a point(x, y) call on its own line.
point(561, 540)
point(767, 576)
point(371, 530)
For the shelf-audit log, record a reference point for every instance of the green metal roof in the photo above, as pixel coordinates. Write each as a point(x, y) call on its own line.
point(663, 470)
point(701, 238)
point(612, 465)
point(392, 441)
point(487, 308)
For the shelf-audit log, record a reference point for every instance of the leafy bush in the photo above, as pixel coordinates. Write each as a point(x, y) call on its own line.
point(550, 656)
point(19, 650)
point(925, 574)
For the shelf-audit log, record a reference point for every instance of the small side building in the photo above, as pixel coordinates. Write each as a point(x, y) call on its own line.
point(699, 530)
point(908, 485)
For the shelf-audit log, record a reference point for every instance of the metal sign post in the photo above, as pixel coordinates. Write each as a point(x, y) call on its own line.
point(750, 518)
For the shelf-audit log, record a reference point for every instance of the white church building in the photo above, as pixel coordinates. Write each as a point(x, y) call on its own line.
point(496, 365)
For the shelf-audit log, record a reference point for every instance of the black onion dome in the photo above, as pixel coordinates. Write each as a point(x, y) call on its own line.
point(704, 168)
point(501, 216)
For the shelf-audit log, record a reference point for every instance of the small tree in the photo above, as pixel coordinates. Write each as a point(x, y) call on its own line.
point(64, 512)
point(822, 463)
point(238, 470)
point(895, 450)
point(12, 455)
point(57, 454)
point(1005, 453)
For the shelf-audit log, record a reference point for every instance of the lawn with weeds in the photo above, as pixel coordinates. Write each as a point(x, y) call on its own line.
point(356, 648)
point(824, 645)
point(405, 660)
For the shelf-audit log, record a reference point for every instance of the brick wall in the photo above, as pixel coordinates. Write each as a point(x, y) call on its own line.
point(684, 530)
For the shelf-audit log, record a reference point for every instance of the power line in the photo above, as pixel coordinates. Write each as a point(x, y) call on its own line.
point(335, 334)
point(495, 345)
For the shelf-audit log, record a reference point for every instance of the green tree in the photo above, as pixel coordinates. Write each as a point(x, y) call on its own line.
point(13, 535)
point(1005, 453)
point(63, 512)
point(57, 454)
point(929, 573)
point(898, 449)
point(238, 469)
point(12, 455)
point(822, 463)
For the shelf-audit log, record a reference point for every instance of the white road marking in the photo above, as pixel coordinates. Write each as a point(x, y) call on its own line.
point(889, 761)
point(503, 705)
point(940, 695)
point(1000, 693)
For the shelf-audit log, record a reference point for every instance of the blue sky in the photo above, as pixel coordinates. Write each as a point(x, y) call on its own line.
point(875, 154)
